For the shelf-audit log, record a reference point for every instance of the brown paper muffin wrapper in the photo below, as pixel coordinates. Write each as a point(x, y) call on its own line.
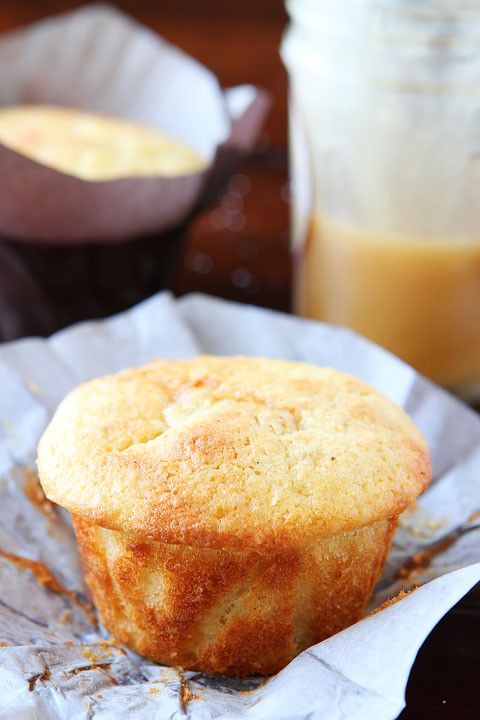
point(72, 249)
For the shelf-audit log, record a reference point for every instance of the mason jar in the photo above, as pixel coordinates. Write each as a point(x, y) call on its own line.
point(385, 159)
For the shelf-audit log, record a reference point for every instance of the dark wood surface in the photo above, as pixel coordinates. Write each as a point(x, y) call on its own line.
point(239, 250)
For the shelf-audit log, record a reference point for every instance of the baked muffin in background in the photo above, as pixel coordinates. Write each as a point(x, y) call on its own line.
point(231, 512)
point(88, 227)
point(49, 284)
point(46, 285)
point(93, 147)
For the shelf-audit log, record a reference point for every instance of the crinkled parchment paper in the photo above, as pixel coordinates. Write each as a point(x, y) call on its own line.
point(56, 663)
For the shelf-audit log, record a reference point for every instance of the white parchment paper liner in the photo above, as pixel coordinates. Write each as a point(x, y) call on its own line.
point(54, 661)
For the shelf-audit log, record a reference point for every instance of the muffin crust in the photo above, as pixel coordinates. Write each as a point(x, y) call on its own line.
point(232, 453)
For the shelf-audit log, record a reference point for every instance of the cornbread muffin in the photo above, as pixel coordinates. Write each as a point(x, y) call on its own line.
point(231, 512)
point(93, 147)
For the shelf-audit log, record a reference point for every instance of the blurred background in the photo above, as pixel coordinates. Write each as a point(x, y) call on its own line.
point(239, 248)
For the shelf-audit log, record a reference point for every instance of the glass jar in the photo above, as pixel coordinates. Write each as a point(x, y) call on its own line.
point(385, 158)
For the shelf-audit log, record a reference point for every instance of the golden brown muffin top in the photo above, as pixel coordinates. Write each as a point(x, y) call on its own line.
point(91, 146)
point(234, 453)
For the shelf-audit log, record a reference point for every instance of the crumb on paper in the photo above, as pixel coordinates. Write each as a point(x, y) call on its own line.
point(106, 649)
point(89, 654)
point(66, 617)
point(114, 643)
point(419, 522)
point(10, 432)
point(34, 491)
point(33, 387)
point(45, 675)
point(392, 601)
point(186, 695)
point(101, 667)
point(154, 691)
point(435, 524)
point(422, 560)
point(110, 677)
point(168, 674)
point(416, 532)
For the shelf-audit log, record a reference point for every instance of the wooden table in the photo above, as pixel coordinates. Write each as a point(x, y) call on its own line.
point(239, 250)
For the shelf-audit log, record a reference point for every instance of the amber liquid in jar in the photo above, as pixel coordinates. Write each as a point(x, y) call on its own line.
point(418, 298)
point(385, 164)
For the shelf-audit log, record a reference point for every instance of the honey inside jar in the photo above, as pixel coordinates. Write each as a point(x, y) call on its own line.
point(418, 298)
point(385, 162)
